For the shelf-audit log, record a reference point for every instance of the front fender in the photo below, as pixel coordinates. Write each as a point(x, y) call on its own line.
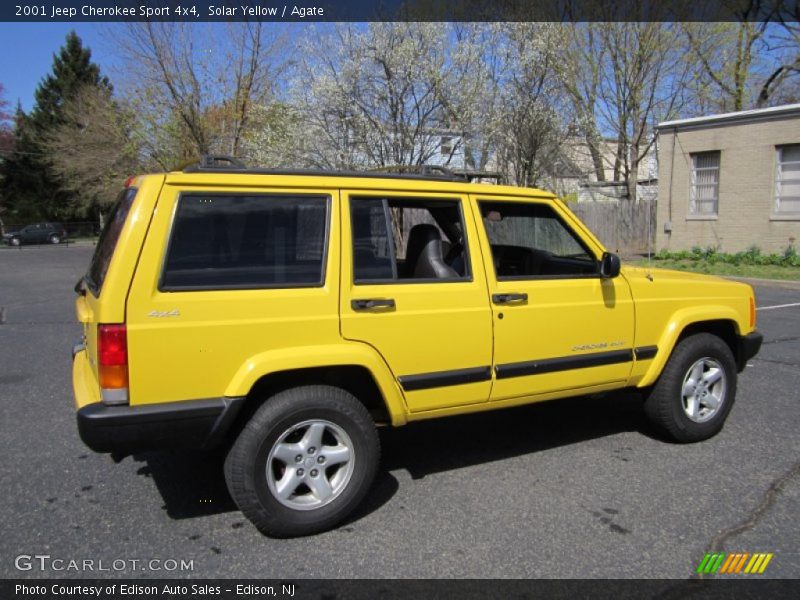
point(679, 321)
point(342, 354)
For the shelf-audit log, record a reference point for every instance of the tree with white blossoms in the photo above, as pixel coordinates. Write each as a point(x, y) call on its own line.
point(386, 94)
point(373, 96)
point(528, 123)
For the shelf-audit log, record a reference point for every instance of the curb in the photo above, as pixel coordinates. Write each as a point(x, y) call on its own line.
point(788, 284)
point(66, 244)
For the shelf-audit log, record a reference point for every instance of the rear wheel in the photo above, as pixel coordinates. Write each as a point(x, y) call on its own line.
point(14, 241)
point(695, 391)
point(304, 461)
point(55, 239)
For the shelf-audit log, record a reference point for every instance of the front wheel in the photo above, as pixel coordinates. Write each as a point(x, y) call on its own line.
point(695, 392)
point(304, 461)
point(14, 241)
point(55, 239)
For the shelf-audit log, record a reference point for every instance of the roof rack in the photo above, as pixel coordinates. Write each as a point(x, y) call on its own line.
point(436, 171)
point(473, 176)
point(213, 162)
point(218, 163)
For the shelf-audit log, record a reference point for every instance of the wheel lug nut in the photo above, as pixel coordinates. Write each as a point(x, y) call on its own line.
point(312, 450)
point(300, 472)
point(314, 472)
point(298, 458)
point(320, 459)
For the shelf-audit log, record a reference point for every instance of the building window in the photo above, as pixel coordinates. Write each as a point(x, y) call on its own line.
point(704, 199)
point(446, 146)
point(787, 180)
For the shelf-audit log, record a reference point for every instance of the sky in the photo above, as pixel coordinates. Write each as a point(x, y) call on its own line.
point(27, 50)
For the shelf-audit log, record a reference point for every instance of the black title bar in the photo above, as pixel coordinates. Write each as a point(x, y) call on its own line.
point(398, 10)
point(390, 589)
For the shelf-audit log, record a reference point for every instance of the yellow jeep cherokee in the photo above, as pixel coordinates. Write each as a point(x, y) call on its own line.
point(285, 314)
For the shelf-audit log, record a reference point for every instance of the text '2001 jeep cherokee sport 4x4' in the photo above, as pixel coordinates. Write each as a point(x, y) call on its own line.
point(285, 314)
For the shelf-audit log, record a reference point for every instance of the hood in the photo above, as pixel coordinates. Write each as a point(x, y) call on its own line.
point(682, 286)
point(630, 271)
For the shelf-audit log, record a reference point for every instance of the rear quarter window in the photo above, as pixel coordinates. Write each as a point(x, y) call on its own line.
point(107, 242)
point(246, 242)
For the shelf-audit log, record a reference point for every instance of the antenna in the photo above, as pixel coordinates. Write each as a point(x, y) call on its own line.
point(650, 204)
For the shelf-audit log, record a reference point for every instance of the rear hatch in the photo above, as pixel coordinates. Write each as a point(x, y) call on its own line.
point(102, 292)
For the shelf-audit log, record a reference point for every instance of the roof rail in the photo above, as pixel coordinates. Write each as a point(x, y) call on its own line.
point(214, 161)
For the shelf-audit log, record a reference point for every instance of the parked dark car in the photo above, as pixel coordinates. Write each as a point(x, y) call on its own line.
point(37, 233)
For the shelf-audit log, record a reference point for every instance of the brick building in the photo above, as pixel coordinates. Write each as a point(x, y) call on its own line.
point(730, 181)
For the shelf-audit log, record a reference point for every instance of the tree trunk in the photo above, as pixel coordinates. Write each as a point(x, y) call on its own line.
point(597, 157)
point(633, 174)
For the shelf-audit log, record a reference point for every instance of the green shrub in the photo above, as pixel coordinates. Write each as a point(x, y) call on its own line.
point(752, 256)
point(790, 257)
point(662, 255)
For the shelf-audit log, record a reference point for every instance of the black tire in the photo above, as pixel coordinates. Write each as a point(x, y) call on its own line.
point(343, 420)
point(54, 239)
point(665, 404)
point(14, 242)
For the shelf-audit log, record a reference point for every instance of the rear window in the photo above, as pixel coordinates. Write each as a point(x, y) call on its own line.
point(108, 240)
point(246, 242)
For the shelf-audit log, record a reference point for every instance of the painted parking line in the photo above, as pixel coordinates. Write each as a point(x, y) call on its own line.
point(778, 306)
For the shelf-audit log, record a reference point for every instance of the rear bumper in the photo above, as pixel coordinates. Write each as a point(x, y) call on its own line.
point(748, 347)
point(129, 429)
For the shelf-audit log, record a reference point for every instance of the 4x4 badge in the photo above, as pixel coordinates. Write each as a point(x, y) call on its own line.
point(164, 313)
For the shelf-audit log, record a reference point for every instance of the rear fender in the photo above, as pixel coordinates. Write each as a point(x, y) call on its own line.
point(344, 354)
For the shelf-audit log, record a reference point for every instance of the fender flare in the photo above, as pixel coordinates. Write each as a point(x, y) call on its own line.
point(679, 321)
point(304, 357)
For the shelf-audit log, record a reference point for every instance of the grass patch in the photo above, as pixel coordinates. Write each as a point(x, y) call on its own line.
point(725, 269)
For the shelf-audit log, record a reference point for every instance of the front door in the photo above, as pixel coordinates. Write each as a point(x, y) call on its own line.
point(413, 288)
point(558, 326)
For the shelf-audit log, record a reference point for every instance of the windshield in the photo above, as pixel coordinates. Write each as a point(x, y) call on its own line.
point(108, 240)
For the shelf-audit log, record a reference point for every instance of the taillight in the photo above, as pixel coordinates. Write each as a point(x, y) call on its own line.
point(752, 312)
point(112, 363)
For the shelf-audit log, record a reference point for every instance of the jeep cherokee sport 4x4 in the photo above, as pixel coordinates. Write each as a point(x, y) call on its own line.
point(286, 314)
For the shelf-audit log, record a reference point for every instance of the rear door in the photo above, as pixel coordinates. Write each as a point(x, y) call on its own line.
point(559, 326)
point(413, 287)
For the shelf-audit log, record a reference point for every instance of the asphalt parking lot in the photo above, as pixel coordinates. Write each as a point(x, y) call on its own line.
point(572, 489)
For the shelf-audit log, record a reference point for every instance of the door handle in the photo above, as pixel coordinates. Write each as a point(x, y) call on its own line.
point(369, 304)
point(509, 298)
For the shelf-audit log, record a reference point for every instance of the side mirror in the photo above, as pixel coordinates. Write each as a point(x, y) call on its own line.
point(609, 265)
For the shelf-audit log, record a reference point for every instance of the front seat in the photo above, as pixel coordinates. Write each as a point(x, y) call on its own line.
point(424, 258)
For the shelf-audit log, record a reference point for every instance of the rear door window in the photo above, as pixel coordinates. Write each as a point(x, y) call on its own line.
point(108, 240)
point(408, 240)
point(246, 242)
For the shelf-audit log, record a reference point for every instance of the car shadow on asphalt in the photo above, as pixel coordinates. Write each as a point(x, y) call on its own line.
point(428, 447)
point(193, 485)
